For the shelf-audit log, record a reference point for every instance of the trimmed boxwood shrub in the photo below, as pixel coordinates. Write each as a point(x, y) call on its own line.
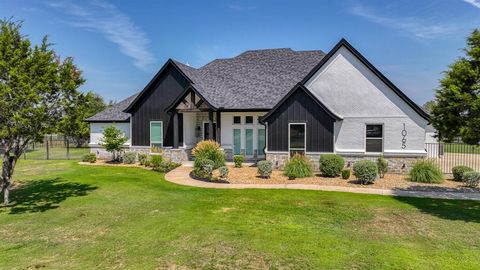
point(382, 165)
point(129, 157)
point(472, 179)
point(142, 158)
point(209, 149)
point(223, 172)
point(345, 174)
point(299, 166)
point(331, 165)
point(265, 168)
point(459, 171)
point(238, 160)
point(426, 171)
point(90, 157)
point(366, 171)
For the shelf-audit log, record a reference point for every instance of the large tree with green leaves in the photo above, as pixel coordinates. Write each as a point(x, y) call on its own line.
point(73, 124)
point(456, 112)
point(35, 86)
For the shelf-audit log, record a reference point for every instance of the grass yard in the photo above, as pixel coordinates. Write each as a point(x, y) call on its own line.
point(461, 148)
point(82, 217)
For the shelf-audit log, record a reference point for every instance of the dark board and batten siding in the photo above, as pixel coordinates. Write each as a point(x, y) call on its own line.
point(151, 107)
point(301, 108)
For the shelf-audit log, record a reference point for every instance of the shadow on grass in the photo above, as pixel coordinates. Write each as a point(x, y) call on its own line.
point(465, 210)
point(44, 194)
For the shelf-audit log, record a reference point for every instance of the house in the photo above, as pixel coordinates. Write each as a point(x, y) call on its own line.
point(270, 104)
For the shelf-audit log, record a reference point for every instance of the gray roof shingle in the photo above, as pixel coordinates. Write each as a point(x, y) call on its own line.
point(256, 79)
point(253, 79)
point(114, 113)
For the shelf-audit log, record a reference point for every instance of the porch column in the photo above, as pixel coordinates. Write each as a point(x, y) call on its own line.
point(210, 124)
point(175, 129)
point(219, 128)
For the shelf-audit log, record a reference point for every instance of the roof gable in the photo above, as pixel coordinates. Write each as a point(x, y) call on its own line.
point(154, 80)
point(300, 87)
point(344, 44)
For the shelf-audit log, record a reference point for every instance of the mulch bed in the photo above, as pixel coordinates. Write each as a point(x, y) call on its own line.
point(248, 175)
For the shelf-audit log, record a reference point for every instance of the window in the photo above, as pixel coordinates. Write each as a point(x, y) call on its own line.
point(156, 134)
point(297, 138)
point(237, 120)
point(374, 139)
point(248, 119)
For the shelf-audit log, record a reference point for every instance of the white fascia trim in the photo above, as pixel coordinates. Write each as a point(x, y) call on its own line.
point(350, 150)
point(375, 116)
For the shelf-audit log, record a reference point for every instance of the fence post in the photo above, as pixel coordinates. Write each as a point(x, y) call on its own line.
point(46, 145)
point(68, 149)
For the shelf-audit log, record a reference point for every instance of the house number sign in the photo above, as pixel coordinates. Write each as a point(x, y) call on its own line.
point(404, 135)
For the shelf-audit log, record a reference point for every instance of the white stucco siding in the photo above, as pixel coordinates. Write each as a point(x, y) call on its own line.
point(350, 135)
point(96, 131)
point(348, 88)
point(228, 126)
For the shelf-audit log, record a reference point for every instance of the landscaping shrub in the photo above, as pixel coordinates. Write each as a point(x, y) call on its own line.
point(382, 165)
point(90, 157)
point(142, 159)
point(172, 165)
point(366, 171)
point(209, 149)
point(238, 160)
point(472, 179)
point(208, 166)
point(223, 172)
point(156, 161)
point(345, 174)
point(299, 166)
point(331, 165)
point(129, 157)
point(265, 168)
point(426, 171)
point(459, 171)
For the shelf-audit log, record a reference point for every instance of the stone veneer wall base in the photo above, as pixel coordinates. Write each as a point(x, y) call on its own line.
point(396, 164)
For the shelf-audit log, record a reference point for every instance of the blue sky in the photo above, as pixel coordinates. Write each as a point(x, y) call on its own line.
point(120, 45)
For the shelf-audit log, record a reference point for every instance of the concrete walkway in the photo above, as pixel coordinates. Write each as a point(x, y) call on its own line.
point(181, 176)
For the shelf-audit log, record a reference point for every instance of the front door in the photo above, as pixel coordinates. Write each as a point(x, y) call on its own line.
point(206, 131)
point(248, 142)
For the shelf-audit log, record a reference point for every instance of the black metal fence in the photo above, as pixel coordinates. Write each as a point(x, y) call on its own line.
point(56, 147)
point(449, 155)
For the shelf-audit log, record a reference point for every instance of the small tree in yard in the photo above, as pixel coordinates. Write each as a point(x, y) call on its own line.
point(113, 140)
point(35, 86)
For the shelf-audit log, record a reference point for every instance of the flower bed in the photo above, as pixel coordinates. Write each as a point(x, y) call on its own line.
point(249, 175)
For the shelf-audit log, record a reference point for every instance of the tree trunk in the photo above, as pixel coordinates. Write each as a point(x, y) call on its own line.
point(7, 172)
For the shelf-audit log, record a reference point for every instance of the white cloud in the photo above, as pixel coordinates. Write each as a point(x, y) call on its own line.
point(475, 3)
point(117, 27)
point(240, 7)
point(416, 27)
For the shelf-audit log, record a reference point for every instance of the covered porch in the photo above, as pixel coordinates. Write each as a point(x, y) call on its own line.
point(239, 133)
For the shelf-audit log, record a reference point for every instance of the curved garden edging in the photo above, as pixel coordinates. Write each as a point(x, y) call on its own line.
point(181, 176)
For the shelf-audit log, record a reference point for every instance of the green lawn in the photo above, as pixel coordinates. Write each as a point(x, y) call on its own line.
point(66, 215)
point(461, 148)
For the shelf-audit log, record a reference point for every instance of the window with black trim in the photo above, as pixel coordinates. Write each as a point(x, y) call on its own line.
point(374, 139)
point(297, 138)
point(237, 120)
point(248, 119)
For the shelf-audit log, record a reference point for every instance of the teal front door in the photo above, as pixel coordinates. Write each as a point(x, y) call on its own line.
point(237, 141)
point(249, 142)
